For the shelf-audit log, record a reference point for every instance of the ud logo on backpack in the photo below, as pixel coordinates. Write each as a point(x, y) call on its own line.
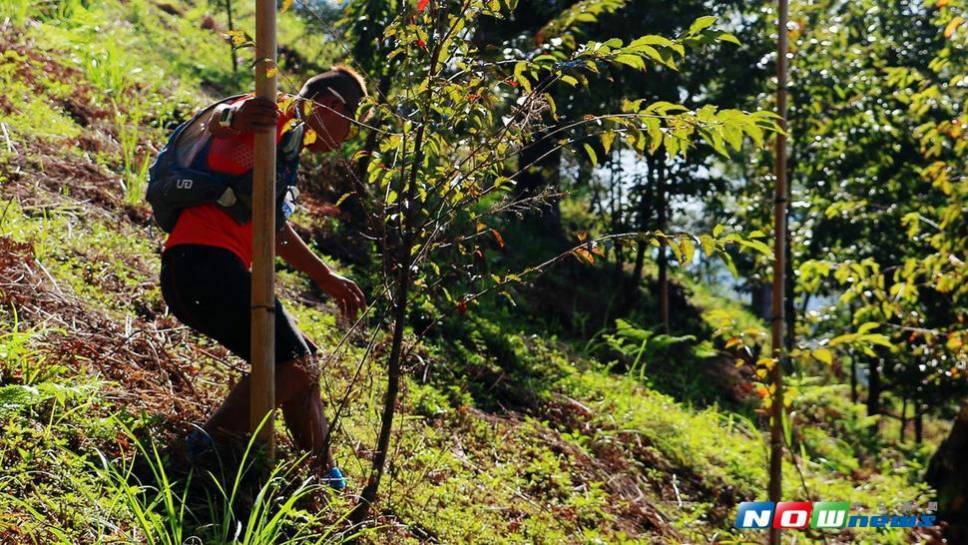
point(178, 178)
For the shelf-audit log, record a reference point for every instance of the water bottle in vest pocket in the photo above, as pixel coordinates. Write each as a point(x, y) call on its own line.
point(179, 179)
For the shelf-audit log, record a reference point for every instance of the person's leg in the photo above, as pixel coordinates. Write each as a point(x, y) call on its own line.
point(307, 422)
point(302, 407)
point(209, 289)
point(297, 392)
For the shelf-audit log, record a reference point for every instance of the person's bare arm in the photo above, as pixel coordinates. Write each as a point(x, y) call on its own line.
point(252, 115)
point(291, 248)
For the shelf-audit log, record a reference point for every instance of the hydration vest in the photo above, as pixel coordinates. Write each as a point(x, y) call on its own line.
point(179, 177)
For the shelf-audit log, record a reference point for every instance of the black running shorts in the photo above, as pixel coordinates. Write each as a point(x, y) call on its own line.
point(209, 289)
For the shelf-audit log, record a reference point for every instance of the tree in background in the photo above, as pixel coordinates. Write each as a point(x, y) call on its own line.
point(717, 74)
point(878, 117)
point(453, 129)
point(858, 168)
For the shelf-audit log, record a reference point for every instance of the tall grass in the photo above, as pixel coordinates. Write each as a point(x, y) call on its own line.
point(135, 165)
point(17, 10)
point(20, 10)
point(16, 352)
point(168, 511)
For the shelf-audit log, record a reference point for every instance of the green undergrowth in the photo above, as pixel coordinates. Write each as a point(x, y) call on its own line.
point(510, 438)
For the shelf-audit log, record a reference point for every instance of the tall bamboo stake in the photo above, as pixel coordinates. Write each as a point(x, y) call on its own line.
point(779, 268)
point(263, 234)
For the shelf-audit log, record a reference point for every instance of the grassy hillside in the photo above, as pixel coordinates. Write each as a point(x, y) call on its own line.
point(507, 433)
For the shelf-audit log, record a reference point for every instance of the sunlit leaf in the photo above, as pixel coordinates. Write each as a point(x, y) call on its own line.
point(607, 139)
point(271, 69)
point(309, 138)
point(823, 355)
point(631, 60)
point(701, 24)
point(591, 154)
point(952, 26)
point(584, 255)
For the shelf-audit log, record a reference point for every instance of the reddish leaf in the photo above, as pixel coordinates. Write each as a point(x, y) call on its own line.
point(500, 239)
point(583, 255)
point(461, 307)
point(422, 43)
point(422, 5)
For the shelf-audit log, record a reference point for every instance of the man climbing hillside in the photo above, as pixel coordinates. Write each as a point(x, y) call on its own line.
point(205, 277)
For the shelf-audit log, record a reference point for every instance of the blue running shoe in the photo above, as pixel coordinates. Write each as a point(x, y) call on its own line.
point(335, 479)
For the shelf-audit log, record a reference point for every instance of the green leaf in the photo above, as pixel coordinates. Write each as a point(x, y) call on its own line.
point(823, 355)
point(607, 139)
point(708, 244)
point(591, 154)
point(677, 250)
point(701, 24)
point(756, 245)
point(655, 133)
point(519, 69)
point(867, 326)
point(631, 60)
point(730, 265)
point(727, 37)
point(878, 339)
point(688, 250)
point(650, 40)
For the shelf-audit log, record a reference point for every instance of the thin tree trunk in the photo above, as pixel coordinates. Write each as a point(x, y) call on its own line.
point(790, 301)
point(639, 264)
point(853, 378)
point(545, 162)
point(615, 226)
point(662, 206)
point(368, 496)
point(394, 363)
point(918, 423)
point(235, 55)
point(643, 219)
point(618, 265)
point(874, 387)
point(904, 404)
point(777, 413)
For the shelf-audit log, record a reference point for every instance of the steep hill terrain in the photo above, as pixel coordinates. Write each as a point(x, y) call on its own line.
point(508, 432)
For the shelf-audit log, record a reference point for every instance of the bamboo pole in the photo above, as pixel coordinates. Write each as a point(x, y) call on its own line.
point(263, 234)
point(779, 268)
